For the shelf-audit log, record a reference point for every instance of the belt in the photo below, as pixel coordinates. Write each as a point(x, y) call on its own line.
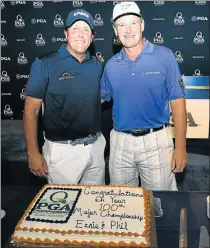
point(90, 139)
point(142, 132)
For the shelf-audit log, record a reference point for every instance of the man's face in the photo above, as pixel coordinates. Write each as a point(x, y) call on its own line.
point(79, 37)
point(129, 30)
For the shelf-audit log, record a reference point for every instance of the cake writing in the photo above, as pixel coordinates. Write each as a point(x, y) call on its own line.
point(82, 225)
point(88, 212)
point(119, 225)
point(113, 206)
point(114, 199)
point(111, 192)
point(106, 213)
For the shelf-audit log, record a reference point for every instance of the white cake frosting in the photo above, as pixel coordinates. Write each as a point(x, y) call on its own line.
point(71, 212)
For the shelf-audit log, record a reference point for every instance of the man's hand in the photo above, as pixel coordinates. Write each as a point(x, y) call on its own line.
point(37, 165)
point(179, 160)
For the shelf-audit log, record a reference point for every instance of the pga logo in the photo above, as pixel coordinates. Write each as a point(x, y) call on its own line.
point(99, 57)
point(116, 2)
point(199, 18)
point(39, 41)
point(116, 41)
point(58, 39)
point(197, 73)
point(21, 76)
point(98, 21)
point(77, 4)
point(19, 22)
point(4, 77)
point(179, 57)
point(7, 110)
point(22, 94)
point(2, 5)
point(5, 58)
point(58, 21)
point(17, 2)
point(22, 60)
point(3, 41)
point(202, 18)
point(199, 38)
point(179, 19)
point(38, 4)
point(159, 3)
point(158, 39)
point(34, 21)
point(200, 2)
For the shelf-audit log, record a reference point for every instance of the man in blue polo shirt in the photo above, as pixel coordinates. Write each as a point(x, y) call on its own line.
point(67, 84)
point(143, 79)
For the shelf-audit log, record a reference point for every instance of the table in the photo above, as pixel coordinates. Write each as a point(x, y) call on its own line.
point(167, 226)
point(15, 200)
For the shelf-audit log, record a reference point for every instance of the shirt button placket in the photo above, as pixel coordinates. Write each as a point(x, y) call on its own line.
point(133, 69)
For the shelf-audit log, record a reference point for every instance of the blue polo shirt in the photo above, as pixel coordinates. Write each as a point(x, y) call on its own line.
point(141, 89)
point(71, 94)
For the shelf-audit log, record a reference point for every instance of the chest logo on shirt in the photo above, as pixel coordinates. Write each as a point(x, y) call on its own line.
point(150, 73)
point(66, 76)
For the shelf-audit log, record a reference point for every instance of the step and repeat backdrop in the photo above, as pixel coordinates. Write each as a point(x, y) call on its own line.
point(30, 29)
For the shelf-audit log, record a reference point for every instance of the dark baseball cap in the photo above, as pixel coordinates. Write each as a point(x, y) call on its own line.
point(79, 14)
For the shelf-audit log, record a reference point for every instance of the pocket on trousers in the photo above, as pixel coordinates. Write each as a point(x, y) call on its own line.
point(170, 137)
point(112, 138)
point(104, 140)
point(44, 152)
point(47, 151)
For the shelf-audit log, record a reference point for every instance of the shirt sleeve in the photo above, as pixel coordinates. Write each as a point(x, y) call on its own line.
point(175, 85)
point(37, 82)
point(104, 86)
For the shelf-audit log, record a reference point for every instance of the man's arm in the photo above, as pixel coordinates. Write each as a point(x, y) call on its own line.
point(179, 114)
point(37, 164)
point(104, 88)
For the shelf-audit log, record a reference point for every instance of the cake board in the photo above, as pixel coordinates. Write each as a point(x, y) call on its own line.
point(11, 244)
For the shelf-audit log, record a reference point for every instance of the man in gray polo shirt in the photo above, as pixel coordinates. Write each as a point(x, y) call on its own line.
point(66, 82)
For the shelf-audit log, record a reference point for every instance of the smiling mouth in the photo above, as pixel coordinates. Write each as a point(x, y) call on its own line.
point(129, 37)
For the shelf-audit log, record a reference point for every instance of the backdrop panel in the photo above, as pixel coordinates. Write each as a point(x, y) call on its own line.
point(33, 28)
point(197, 100)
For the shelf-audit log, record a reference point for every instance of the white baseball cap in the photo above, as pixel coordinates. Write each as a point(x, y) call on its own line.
point(125, 8)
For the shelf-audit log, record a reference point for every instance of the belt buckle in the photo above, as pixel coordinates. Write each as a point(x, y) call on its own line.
point(138, 131)
point(74, 142)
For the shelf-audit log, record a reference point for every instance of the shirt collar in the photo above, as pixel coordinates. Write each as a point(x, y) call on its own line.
point(63, 52)
point(148, 48)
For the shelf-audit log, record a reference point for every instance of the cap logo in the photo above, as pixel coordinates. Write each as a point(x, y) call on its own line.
point(81, 13)
point(125, 6)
